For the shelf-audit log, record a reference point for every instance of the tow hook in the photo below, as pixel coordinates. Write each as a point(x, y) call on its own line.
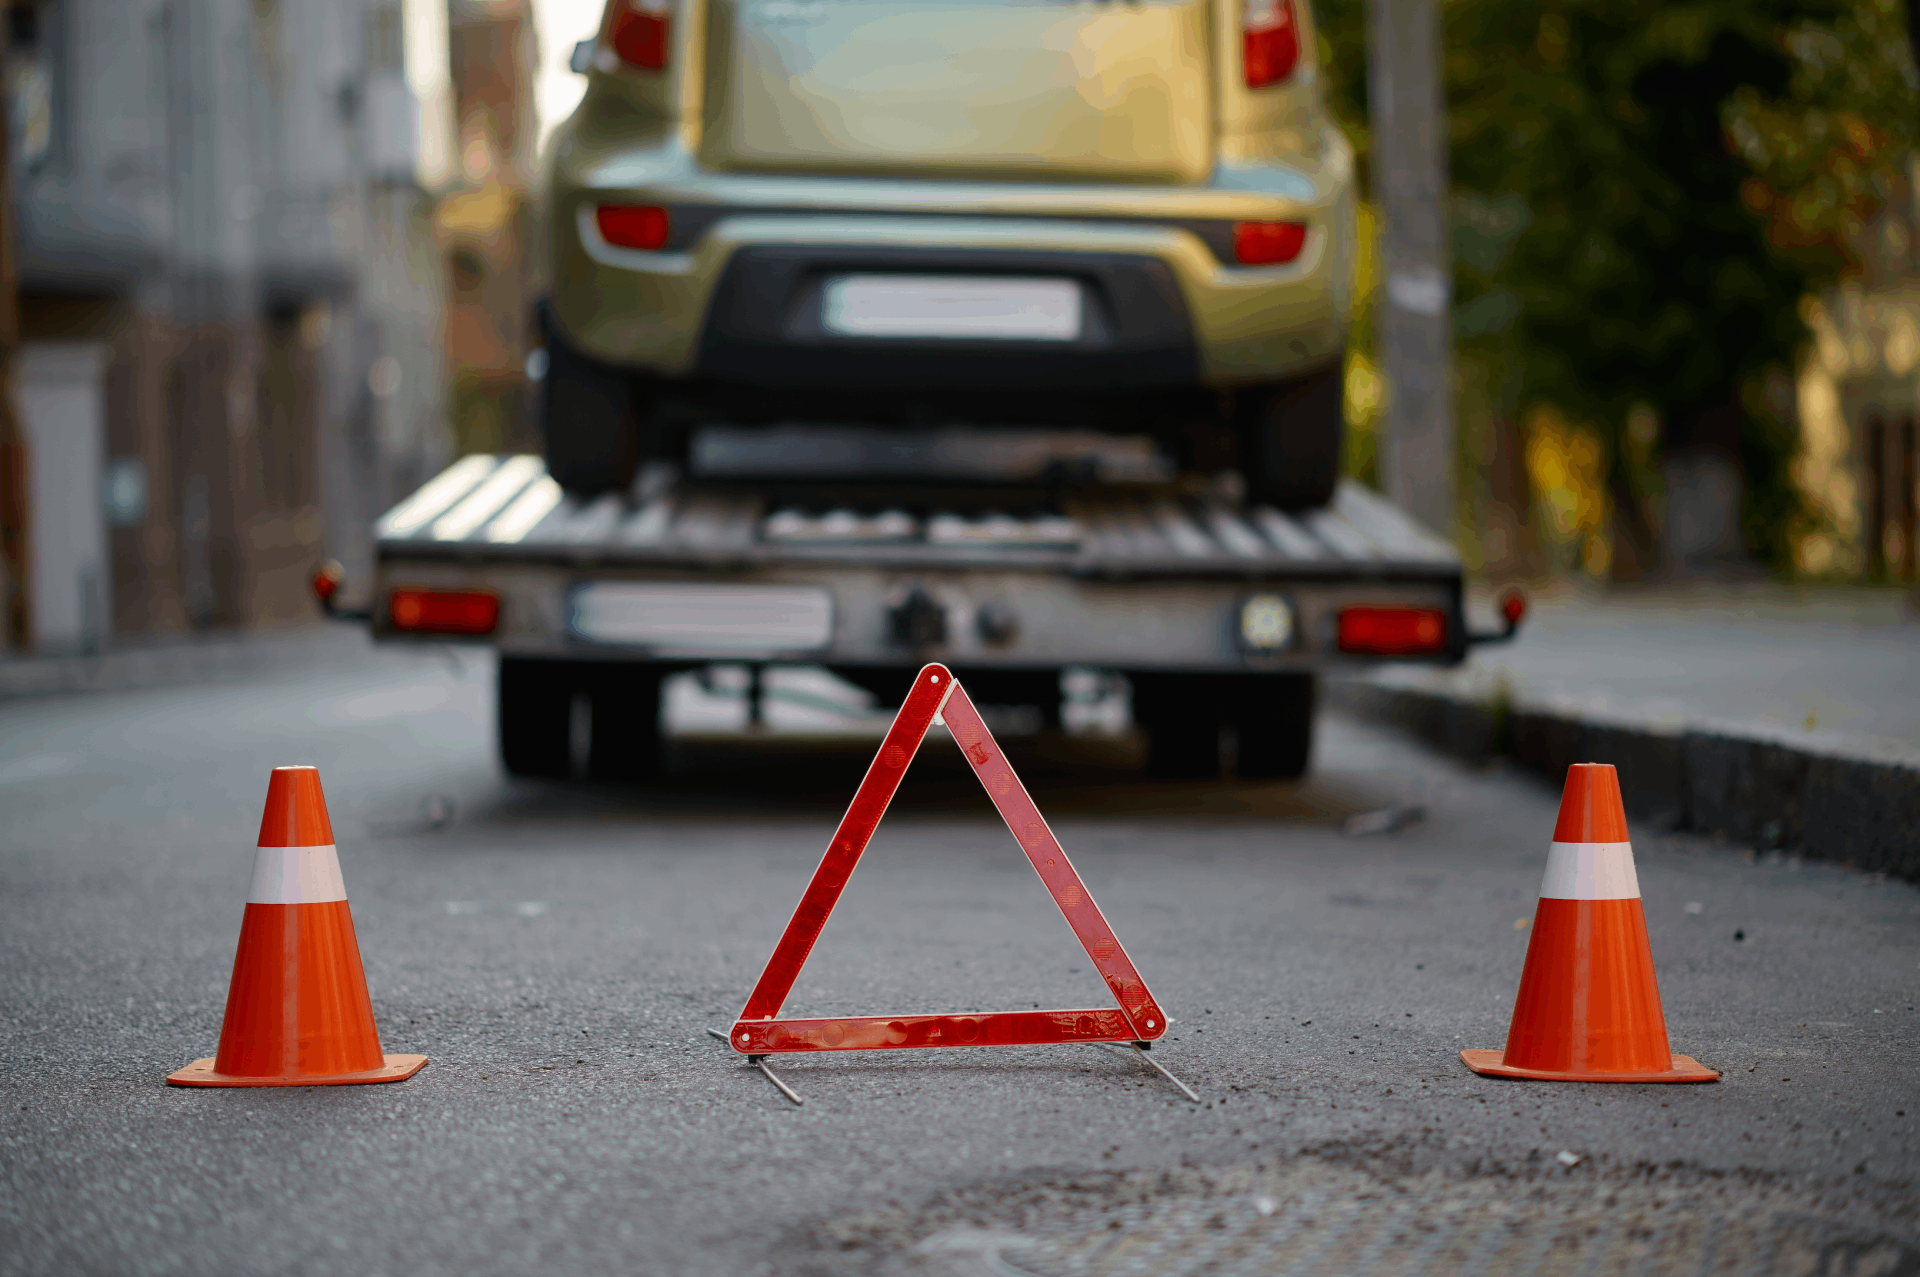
point(919, 621)
point(1513, 610)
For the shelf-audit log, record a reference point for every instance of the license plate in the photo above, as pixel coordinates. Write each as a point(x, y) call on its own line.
point(703, 618)
point(952, 306)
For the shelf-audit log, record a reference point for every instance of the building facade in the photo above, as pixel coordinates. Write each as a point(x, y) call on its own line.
point(230, 298)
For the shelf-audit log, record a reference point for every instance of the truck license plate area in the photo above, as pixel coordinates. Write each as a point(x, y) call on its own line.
point(702, 618)
point(952, 306)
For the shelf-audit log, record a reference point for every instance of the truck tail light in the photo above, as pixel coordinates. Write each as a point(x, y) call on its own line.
point(638, 30)
point(1393, 631)
point(1269, 41)
point(1268, 243)
point(633, 225)
point(444, 611)
point(1266, 623)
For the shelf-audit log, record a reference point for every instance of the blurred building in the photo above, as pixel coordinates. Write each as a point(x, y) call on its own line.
point(231, 299)
point(484, 226)
point(1860, 404)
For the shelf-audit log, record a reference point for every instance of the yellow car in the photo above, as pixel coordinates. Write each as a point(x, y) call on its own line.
point(1132, 217)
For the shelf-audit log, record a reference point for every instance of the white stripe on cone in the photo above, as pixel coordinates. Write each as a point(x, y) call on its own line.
point(296, 876)
point(1590, 871)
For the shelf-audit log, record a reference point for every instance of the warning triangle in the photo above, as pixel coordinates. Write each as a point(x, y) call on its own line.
point(760, 1031)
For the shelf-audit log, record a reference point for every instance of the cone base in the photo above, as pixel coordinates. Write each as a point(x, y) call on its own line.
point(1492, 1064)
point(397, 1069)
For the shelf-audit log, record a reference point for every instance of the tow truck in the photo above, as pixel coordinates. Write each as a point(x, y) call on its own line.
point(1007, 334)
point(1010, 557)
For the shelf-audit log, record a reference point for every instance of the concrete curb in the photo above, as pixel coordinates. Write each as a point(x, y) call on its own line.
point(1845, 801)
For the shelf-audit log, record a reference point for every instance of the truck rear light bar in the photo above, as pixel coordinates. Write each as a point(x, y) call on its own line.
point(1269, 41)
point(443, 611)
point(1268, 243)
point(638, 30)
point(642, 226)
point(1393, 631)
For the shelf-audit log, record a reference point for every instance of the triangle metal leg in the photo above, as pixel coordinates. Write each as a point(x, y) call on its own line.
point(760, 1062)
point(1140, 1051)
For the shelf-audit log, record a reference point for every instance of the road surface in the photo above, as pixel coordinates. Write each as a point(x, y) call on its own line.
point(559, 952)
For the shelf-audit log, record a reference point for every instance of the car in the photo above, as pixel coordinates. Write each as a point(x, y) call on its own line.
point(1132, 217)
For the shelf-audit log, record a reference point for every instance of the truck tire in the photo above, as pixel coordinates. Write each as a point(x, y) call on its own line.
point(589, 416)
point(1181, 718)
point(1273, 722)
point(535, 701)
point(624, 732)
point(1291, 435)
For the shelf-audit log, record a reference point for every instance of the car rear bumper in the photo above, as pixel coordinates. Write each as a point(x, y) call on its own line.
point(763, 323)
point(728, 293)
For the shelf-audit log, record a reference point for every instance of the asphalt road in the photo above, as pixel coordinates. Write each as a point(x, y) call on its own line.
point(558, 952)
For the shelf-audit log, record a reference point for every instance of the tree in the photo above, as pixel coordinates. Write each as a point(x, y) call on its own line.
point(1643, 194)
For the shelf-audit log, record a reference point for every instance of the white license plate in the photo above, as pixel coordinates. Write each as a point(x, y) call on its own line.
point(704, 618)
point(952, 306)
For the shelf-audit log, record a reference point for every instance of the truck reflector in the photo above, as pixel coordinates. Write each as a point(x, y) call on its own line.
point(444, 611)
point(1392, 631)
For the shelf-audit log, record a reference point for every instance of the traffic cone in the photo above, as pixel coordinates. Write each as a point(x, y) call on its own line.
point(297, 1011)
point(1589, 1008)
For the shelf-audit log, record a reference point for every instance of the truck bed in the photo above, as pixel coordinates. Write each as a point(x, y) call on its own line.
point(1128, 578)
point(507, 509)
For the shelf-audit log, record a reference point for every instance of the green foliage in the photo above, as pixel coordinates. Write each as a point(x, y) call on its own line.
point(1644, 192)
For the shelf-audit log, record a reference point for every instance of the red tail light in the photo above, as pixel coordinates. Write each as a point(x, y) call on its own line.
point(1393, 631)
point(1269, 41)
point(638, 31)
point(444, 611)
point(1268, 243)
point(633, 225)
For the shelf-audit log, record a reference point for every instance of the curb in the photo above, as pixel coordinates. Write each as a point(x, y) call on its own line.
point(1847, 802)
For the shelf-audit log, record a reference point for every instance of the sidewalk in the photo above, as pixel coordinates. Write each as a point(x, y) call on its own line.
point(1786, 717)
point(200, 658)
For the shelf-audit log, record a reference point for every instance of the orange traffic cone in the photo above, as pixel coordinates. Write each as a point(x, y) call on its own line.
point(1589, 1007)
point(297, 1010)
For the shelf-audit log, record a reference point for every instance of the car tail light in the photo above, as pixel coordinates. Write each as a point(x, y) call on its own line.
point(1268, 243)
point(444, 611)
point(1393, 631)
point(1269, 41)
point(633, 225)
point(638, 30)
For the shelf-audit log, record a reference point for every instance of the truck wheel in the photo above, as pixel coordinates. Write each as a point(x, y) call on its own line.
point(1290, 439)
point(1273, 719)
point(535, 717)
point(624, 735)
point(1182, 722)
point(588, 414)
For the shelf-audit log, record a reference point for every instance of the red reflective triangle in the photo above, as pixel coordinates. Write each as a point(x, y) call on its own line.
point(759, 1031)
